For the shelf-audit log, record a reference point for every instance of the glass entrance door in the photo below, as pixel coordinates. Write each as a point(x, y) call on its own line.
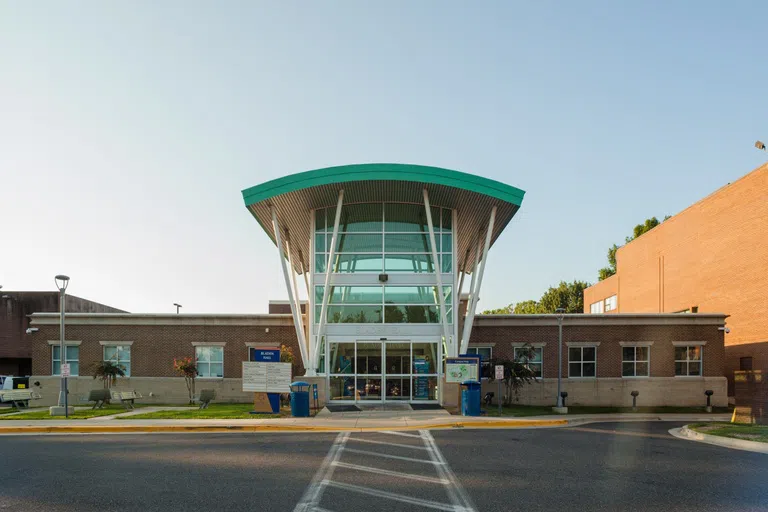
point(369, 357)
point(397, 370)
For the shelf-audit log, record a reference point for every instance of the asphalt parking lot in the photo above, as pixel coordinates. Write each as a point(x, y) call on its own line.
point(610, 466)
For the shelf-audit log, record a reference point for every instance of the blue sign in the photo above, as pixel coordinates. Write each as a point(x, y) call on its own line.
point(314, 391)
point(421, 384)
point(265, 355)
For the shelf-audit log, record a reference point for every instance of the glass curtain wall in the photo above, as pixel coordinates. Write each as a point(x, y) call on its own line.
point(384, 304)
point(383, 237)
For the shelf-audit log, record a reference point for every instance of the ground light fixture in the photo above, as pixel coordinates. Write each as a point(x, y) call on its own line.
point(62, 281)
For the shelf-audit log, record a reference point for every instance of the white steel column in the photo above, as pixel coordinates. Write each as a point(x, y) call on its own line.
point(438, 275)
point(457, 293)
point(297, 302)
point(471, 312)
point(296, 314)
point(328, 272)
point(473, 279)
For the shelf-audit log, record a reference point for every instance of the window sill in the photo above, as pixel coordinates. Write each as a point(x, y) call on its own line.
point(635, 376)
point(689, 376)
point(209, 378)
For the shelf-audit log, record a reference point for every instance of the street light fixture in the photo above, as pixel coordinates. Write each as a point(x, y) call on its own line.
point(62, 282)
point(177, 307)
point(760, 145)
point(560, 313)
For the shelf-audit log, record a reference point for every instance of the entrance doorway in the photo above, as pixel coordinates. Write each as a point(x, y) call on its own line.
point(365, 371)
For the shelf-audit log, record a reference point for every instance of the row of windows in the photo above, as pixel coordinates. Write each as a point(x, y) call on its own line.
point(387, 304)
point(603, 306)
point(210, 359)
point(582, 361)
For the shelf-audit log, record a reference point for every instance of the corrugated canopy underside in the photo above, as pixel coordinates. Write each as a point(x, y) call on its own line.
point(294, 199)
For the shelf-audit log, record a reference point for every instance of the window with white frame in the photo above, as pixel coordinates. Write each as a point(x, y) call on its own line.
point(596, 307)
point(485, 354)
point(688, 360)
point(531, 357)
point(635, 361)
point(119, 355)
point(210, 361)
point(582, 361)
point(72, 356)
point(611, 303)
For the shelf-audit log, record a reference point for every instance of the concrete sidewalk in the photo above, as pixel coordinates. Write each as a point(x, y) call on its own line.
point(338, 422)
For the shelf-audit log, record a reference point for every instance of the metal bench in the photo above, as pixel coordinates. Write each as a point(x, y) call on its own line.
point(19, 397)
point(126, 397)
point(206, 395)
point(99, 397)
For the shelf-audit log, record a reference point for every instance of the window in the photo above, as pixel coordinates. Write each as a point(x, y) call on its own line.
point(534, 362)
point(120, 355)
point(399, 304)
point(688, 360)
point(72, 357)
point(582, 361)
point(485, 354)
point(596, 307)
point(745, 363)
point(611, 303)
point(210, 361)
point(384, 237)
point(635, 361)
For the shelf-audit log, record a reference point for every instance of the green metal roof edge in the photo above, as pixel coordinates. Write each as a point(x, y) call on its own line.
point(395, 172)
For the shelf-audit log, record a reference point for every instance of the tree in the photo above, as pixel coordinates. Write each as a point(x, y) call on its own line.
point(569, 296)
point(516, 374)
point(506, 310)
point(637, 232)
point(527, 307)
point(108, 372)
point(187, 368)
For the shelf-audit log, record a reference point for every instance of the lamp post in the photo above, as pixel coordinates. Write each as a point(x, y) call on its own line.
point(560, 312)
point(177, 307)
point(62, 282)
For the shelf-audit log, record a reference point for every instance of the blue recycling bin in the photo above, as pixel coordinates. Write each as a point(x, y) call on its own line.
point(470, 398)
point(300, 399)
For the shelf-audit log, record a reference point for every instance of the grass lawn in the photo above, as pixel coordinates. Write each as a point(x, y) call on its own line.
point(214, 411)
point(42, 413)
point(535, 410)
point(736, 430)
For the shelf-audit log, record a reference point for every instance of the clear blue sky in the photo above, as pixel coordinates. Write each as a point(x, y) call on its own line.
point(128, 129)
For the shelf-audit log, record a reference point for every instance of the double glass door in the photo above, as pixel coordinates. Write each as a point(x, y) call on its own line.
point(364, 371)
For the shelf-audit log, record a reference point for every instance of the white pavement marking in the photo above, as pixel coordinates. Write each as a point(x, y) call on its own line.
point(314, 493)
point(456, 493)
point(371, 441)
point(387, 472)
point(392, 496)
point(404, 434)
point(388, 456)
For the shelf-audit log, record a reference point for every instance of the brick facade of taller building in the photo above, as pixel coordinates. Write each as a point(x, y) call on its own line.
point(710, 258)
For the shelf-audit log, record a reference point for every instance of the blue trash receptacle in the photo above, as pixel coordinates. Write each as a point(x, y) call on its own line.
point(300, 399)
point(470, 398)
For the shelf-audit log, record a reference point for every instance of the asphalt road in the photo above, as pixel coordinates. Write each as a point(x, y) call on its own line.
point(620, 466)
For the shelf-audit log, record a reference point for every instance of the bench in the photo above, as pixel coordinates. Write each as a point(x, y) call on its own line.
point(126, 397)
point(206, 395)
point(99, 396)
point(19, 397)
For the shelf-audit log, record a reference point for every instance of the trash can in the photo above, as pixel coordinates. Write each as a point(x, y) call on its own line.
point(470, 398)
point(300, 399)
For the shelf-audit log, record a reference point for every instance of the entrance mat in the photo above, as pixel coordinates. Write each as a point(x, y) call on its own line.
point(343, 408)
point(425, 407)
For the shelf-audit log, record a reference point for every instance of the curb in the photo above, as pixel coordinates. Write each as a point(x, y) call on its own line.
point(726, 442)
point(128, 429)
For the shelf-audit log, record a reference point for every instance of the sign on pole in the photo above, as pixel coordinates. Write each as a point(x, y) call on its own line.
point(263, 377)
point(499, 372)
point(65, 370)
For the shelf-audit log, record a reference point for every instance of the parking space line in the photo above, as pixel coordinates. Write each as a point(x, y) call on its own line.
point(371, 441)
point(387, 472)
point(393, 496)
point(388, 456)
point(314, 493)
point(456, 492)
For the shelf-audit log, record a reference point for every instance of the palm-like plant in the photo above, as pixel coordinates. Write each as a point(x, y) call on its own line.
point(108, 372)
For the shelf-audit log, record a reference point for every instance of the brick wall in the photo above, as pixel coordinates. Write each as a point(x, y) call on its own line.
point(712, 256)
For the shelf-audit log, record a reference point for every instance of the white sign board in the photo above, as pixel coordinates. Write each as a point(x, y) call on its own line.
point(459, 369)
point(500, 372)
point(261, 377)
point(65, 370)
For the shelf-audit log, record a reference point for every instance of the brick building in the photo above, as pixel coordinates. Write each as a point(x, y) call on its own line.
point(15, 343)
point(710, 258)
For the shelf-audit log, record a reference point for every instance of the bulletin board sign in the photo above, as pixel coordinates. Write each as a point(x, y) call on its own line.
point(261, 377)
point(459, 369)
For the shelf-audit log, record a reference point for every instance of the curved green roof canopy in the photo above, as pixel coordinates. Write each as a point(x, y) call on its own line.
point(296, 195)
